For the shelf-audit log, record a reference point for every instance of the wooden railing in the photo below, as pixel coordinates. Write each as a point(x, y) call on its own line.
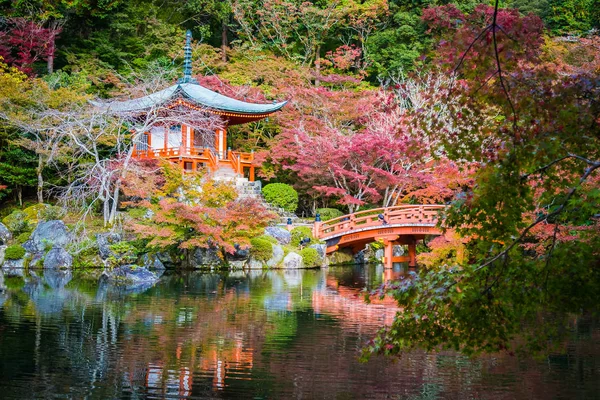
point(399, 215)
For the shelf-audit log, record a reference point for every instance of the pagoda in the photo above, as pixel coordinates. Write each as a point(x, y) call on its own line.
point(178, 143)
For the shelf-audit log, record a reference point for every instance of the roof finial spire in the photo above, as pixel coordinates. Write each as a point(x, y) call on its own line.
point(187, 60)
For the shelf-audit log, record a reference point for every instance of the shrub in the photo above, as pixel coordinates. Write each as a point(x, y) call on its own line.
point(281, 195)
point(329, 213)
point(310, 257)
point(299, 233)
point(50, 213)
point(14, 252)
point(261, 249)
point(17, 222)
point(269, 239)
point(23, 237)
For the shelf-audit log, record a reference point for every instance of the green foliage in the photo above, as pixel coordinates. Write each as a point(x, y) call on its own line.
point(299, 233)
point(124, 253)
point(17, 222)
point(269, 238)
point(281, 195)
point(329, 213)
point(14, 252)
point(310, 257)
point(23, 237)
point(50, 213)
point(262, 249)
point(14, 282)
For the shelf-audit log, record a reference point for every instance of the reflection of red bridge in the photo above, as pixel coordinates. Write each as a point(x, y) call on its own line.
point(403, 225)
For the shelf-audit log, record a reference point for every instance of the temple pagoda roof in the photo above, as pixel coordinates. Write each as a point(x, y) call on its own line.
point(188, 90)
point(198, 96)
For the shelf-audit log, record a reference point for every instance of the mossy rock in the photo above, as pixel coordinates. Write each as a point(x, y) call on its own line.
point(299, 233)
point(17, 222)
point(310, 257)
point(342, 256)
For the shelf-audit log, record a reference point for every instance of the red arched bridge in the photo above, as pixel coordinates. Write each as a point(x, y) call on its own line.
point(401, 225)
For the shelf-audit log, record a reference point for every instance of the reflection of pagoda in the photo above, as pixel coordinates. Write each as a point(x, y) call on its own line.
point(178, 143)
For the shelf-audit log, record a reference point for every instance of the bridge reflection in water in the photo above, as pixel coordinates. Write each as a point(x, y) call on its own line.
point(400, 225)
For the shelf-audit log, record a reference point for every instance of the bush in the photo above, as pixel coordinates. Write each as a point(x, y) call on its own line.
point(261, 249)
point(51, 213)
point(23, 237)
point(329, 213)
point(17, 222)
point(310, 257)
point(299, 233)
point(14, 252)
point(269, 239)
point(281, 195)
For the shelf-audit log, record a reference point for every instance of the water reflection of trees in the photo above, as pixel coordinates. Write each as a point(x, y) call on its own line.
point(271, 333)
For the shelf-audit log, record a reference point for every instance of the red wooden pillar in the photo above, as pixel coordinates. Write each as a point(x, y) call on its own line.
point(388, 254)
point(252, 174)
point(412, 254)
point(183, 138)
point(166, 138)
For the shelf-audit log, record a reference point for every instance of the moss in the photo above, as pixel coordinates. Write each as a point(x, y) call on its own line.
point(14, 252)
point(299, 233)
point(17, 222)
point(23, 237)
point(310, 257)
point(269, 239)
point(261, 249)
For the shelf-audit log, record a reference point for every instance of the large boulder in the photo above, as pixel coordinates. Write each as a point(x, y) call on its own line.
point(254, 264)
point(130, 276)
point(2, 253)
point(292, 261)
point(283, 236)
point(320, 248)
point(152, 262)
point(239, 254)
point(205, 257)
point(342, 256)
point(58, 258)
point(48, 234)
point(5, 234)
point(13, 267)
point(104, 240)
point(277, 256)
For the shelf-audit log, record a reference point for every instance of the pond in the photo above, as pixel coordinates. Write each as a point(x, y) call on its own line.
point(256, 335)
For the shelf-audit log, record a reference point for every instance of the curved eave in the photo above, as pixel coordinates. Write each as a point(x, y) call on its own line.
point(198, 96)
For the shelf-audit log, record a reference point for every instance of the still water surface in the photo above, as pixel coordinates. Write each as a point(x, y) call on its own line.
point(256, 335)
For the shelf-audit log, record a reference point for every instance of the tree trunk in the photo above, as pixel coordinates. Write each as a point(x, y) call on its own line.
point(318, 67)
point(40, 179)
point(224, 42)
point(115, 204)
point(20, 196)
point(53, 28)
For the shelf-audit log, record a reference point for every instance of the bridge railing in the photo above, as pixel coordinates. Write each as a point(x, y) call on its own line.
point(405, 214)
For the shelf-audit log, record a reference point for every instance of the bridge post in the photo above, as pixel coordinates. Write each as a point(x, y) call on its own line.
point(412, 254)
point(316, 228)
point(388, 254)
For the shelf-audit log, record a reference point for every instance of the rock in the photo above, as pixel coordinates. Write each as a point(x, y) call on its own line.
point(359, 258)
point(205, 257)
point(13, 267)
point(254, 264)
point(152, 262)
point(2, 253)
point(58, 258)
point(292, 261)
point(239, 255)
point(320, 248)
point(104, 240)
point(342, 256)
point(47, 234)
point(36, 260)
point(5, 234)
point(237, 265)
point(379, 254)
point(283, 236)
point(130, 276)
point(397, 250)
point(166, 259)
point(277, 256)
point(2, 287)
